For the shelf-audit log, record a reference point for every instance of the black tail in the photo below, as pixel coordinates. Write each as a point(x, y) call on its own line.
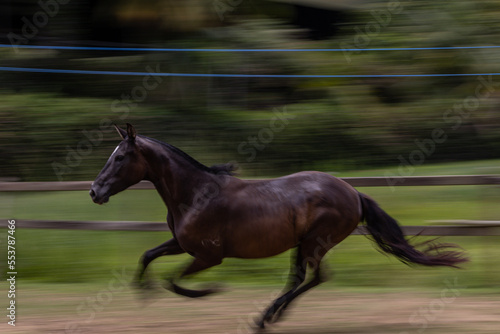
point(389, 237)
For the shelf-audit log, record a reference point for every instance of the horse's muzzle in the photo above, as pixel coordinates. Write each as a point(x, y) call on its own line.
point(96, 198)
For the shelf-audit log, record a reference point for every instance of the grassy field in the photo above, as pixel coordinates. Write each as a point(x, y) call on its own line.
point(73, 256)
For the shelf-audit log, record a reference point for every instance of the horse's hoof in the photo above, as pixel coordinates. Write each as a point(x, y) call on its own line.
point(216, 288)
point(271, 316)
point(146, 294)
point(277, 315)
point(143, 285)
point(266, 317)
point(137, 285)
point(260, 323)
point(171, 286)
point(168, 285)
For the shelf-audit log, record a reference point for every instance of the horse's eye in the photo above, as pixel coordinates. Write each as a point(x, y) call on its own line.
point(120, 157)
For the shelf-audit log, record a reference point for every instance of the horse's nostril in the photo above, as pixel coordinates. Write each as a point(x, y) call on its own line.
point(92, 193)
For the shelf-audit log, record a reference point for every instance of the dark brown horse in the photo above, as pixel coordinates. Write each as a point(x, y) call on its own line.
point(213, 215)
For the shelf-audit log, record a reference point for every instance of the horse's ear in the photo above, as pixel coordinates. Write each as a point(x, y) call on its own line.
point(131, 133)
point(120, 131)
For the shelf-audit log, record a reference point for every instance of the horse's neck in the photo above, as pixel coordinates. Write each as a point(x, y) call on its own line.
point(177, 181)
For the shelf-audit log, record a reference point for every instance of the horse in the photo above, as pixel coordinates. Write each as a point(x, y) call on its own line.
point(214, 215)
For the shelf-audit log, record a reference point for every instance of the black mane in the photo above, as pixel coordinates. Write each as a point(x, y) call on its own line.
point(219, 169)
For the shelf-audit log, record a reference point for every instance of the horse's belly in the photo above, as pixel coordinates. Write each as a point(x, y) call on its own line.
point(260, 242)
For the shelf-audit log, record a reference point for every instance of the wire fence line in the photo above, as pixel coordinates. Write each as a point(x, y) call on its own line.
point(229, 75)
point(154, 49)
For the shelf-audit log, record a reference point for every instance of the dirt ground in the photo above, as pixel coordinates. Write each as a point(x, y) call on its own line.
point(322, 311)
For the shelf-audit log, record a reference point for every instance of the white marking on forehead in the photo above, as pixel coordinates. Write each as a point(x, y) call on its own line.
point(116, 149)
point(112, 154)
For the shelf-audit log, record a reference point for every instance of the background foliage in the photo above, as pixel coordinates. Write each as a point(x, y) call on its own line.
point(339, 124)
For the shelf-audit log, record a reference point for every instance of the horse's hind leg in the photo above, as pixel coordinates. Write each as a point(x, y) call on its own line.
point(196, 266)
point(170, 247)
point(316, 280)
point(311, 252)
point(297, 277)
point(297, 270)
point(314, 248)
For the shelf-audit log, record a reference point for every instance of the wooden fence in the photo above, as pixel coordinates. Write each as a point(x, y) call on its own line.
point(377, 181)
point(457, 227)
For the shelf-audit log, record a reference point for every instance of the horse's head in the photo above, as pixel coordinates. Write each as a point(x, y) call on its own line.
point(125, 167)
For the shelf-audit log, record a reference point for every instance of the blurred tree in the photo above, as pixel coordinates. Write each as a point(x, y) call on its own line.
point(337, 124)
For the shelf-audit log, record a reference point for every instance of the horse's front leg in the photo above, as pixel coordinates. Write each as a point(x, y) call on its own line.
point(196, 266)
point(170, 247)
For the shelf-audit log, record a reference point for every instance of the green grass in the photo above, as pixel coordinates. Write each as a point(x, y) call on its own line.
point(479, 167)
point(67, 256)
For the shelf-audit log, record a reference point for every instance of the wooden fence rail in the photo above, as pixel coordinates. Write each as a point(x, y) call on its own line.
point(460, 228)
point(472, 229)
point(378, 181)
